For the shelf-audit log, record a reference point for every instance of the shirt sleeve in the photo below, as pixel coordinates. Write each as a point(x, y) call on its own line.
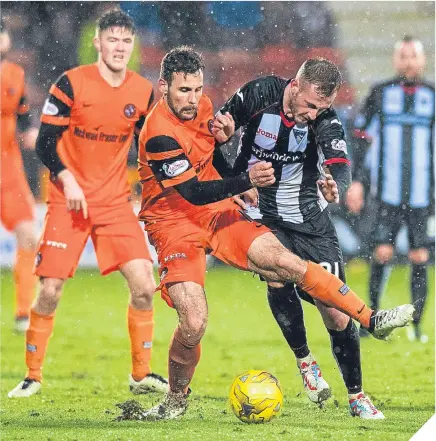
point(23, 112)
point(330, 137)
point(57, 107)
point(168, 161)
point(249, 99)
point(361, 140)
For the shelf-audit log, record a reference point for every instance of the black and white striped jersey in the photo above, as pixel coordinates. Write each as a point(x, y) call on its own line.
point(297, 152)
point(398, 119)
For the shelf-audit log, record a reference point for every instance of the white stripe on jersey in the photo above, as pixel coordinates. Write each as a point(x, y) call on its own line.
point(268, 131)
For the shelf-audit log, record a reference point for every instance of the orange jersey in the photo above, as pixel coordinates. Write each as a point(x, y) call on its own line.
point(164, 144)
point(13, 103)
point(100, 122)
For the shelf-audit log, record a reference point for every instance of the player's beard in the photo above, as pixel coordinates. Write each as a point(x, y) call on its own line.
point(179, 113)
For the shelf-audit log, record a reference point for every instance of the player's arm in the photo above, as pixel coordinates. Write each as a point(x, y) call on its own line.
point(28, 133)
point(55, 119)
point(172, 168)
point(361, 140)
point(330, 137)
point(140, 123)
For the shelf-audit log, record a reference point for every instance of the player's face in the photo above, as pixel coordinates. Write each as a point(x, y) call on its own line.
point(304, 104)
point(115, 46)
point(5, 43)
point(408, 61)
point(184, 93)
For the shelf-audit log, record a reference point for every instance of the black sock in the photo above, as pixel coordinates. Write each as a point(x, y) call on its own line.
point(346, 350)
point(376, 283)
point(288, 312)
point(418, 287)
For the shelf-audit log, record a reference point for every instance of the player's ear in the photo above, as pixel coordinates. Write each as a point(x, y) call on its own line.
point(97, 44)
point(163, 86)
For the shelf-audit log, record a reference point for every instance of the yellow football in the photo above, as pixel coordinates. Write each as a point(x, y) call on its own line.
point(256, 397)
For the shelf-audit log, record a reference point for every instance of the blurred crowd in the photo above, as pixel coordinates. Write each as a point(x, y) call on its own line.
point(239, 41)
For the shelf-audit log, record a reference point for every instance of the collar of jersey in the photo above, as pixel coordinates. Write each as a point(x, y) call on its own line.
point(286, 121)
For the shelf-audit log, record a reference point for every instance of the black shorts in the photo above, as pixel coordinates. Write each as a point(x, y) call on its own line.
point(391, 219)
point(314, 240)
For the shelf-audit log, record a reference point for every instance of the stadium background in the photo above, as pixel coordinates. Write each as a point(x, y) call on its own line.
point(239, 41)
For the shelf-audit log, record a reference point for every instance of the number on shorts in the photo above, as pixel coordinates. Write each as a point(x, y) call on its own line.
point(328, 267)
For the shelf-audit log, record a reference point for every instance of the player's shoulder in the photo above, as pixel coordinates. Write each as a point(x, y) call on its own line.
point(139, 81)
point(379, 86)
point(205, 106)
point(80, 71)
point(427, 83)
point(14, 68)
point(266, 82)
point(158, 122)
point(327, 119)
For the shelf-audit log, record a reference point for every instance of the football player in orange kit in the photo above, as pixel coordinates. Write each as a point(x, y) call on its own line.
point(88, 123)
point(187, 214)
point(16, 199)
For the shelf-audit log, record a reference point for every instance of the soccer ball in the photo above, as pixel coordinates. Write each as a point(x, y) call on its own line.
point(256, 397)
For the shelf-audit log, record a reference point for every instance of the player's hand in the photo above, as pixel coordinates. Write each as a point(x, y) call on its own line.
point(223, 127)
point(73, 193)
point(29, 138)
point(329, 188)
point(247, 199)
point(262, 174)
point(354, 198)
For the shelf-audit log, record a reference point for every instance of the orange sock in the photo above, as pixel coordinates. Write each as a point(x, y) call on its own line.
point(141, 326)
point(183, 359)
point(327, 288)
point(25, 282)
point(37, 337)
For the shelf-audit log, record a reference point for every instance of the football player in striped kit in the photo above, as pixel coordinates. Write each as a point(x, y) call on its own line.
point(397, 122)
point(292, 124)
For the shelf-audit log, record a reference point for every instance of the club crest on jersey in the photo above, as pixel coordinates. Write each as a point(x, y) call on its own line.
point(176, 168)
point(130, 110)
point(299, 135)
point(339, 144)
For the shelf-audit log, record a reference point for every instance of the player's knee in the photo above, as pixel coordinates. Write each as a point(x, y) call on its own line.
point(384, 253)
point(193, 329)
point(289, 267)
point(25, 234)
point(142, 293)
point(335, 320)
point(419, 256)
point(49, 294)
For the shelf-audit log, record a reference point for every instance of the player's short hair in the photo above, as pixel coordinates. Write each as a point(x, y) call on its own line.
point(181, 59)
point(115, 18)
point(419, 47)
point(323, 73)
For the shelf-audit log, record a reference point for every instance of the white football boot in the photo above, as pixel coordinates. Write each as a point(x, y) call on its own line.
point(363, 407)
point(26, 388)
point(317, 389)
point(384, 321)
point(150, 383)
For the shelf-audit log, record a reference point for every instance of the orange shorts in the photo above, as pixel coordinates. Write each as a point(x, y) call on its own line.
point(16, 199)
point(182, 247)
point(115, 233)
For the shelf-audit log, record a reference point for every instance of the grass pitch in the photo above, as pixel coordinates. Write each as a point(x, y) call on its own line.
point(88, 361)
